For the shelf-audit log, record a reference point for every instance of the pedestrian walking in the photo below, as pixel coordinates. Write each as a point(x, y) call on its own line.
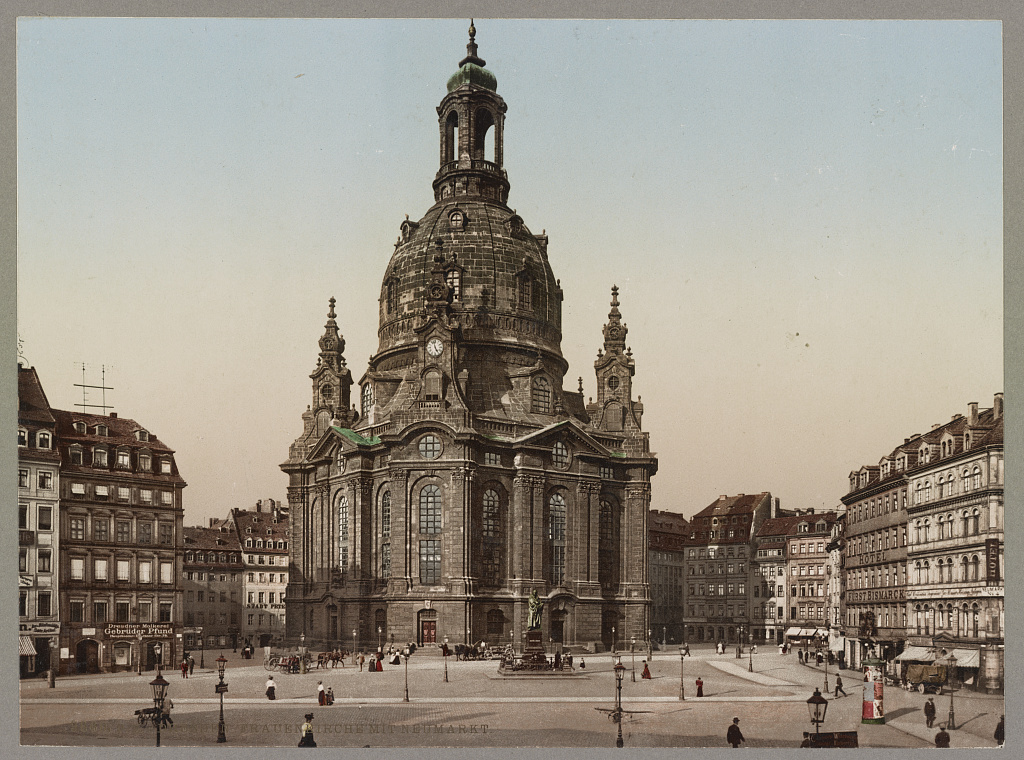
point(184, 668)
point(686, 650)
point(306, 740)
point(321, 695)
point(647, 671)
point(800, 655)
point(807, 739)
point(330, 695)
point(734, 736)
point(583, 664)
point(362, 659)
point(929, 712)
point(700, 687)
point(753, 649)
point(271, 688)
point(942, 738)
point(165, 713)
point(999, 731)
point(817, 659)
point(191, 665)
point(839, 686)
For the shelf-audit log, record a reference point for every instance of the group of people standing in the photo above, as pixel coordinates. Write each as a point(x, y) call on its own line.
point(187, 666)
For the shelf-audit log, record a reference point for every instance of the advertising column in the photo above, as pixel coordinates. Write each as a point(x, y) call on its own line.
point(872, 710)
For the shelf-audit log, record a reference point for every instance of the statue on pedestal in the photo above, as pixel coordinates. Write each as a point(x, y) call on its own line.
point(536, 606)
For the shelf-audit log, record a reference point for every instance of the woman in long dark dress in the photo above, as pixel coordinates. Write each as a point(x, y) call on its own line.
point(700, 687)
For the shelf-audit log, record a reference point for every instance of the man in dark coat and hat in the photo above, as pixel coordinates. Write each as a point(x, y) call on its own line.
point(734, 736)
point(929, 712)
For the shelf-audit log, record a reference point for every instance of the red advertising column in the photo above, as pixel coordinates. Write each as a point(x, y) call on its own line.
point(872, 708)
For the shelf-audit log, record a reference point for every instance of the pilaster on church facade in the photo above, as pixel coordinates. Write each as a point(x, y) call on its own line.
point(468, 475)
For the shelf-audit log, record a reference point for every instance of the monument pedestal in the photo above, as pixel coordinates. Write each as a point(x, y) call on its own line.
point(533, 653)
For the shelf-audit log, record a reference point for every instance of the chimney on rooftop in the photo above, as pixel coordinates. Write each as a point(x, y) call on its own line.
point(972, 413)
point(997, 406)
point(114, 415)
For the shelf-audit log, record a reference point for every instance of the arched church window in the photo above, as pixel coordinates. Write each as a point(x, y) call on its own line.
point(385, 514)
point(556, 537)
point(343, 534)
point(541, 395)
point(560, 455)
point(367, 399)
point(430, 509)
point(491, 530)
point(451, 137)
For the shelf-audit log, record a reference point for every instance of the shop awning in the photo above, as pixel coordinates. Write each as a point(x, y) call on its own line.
point(808, 631)
point(967, 658)
point(26, 647)
point(793, 631)
point(917, 654)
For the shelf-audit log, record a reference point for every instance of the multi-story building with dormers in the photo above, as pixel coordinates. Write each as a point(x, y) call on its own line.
point(213, 586)
point(668, 535)
point(807, 561)
point(121, 544)
point(38, 537)
point(835, 603)
point(264, 540)
point(719, 555)
point(468, 475)
point(955, 548)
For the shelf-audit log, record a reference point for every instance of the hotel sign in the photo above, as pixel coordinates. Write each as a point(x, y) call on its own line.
point(992, 561)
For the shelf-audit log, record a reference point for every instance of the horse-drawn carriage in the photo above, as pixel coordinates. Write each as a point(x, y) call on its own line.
point(478, 651)
point(287, 663)
point(148, 715)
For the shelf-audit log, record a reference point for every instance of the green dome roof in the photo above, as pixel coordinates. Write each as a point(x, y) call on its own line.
point(470, 73)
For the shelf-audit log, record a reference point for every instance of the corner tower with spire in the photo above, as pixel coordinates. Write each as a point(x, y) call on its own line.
point(469, 476)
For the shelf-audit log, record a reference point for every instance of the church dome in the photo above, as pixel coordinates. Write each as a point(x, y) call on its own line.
point(470, 73)
point(501, 287)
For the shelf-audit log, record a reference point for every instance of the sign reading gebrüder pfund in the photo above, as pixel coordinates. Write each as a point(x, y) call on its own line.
point(136, 629)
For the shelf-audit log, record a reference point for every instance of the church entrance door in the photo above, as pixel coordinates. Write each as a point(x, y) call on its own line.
point(428, 632)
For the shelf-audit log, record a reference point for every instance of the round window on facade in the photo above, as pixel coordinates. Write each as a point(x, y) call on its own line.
point(560, 454)
point(613, 382)
point(430, 447)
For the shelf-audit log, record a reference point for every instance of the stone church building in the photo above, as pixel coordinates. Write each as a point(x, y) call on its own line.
point(462, 475)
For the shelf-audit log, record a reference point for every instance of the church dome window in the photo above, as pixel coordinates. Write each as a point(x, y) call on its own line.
point(541, 396)
point(367, 399)
point(454, 280)
point(430, 447)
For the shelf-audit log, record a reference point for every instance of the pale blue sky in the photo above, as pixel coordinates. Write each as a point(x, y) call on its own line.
point(804, 220)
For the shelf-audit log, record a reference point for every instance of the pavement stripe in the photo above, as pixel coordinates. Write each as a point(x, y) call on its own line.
point(418, 700)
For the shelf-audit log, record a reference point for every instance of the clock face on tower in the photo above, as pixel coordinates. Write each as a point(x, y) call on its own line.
point(435, 347)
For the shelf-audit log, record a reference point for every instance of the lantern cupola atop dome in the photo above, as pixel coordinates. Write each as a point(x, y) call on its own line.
point(471, 119)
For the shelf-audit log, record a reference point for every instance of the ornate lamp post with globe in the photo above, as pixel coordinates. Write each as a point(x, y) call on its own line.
point(159, 685)
point(951, 682)
point(682, 660)
point(617, 715)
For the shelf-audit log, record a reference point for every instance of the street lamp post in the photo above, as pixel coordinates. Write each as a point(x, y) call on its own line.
point(682, 660)
point(739, 643)
point(817, 705)
point(632, 656)
point(825, 658)
point(613, 639)
point(664, 632)
point(220, 689)
point(159, 685)
point(353, 645)
point(650, 646)
point(140, 653)
point(951, 681)
point(750, 659)
point(445, 653)
point(379, 644)
point(202, 651)
point(51, 676)
point(619, 668)
point(405, 656)
point(158, 650)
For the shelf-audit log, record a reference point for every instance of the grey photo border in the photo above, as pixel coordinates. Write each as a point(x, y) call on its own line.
point(1009, 12)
